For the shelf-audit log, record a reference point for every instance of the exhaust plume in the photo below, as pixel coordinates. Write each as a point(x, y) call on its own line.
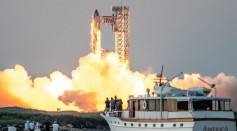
point(10, 79)
point(226, 86)
point(92, 81)
point(86, 101)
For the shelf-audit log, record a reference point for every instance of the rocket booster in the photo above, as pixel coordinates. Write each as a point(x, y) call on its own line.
point(96, 18)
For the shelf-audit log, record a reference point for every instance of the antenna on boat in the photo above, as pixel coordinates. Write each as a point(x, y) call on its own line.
point(175, 77)
point(161, 74)
point(211, 85)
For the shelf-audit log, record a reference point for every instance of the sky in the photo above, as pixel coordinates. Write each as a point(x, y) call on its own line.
point(45, 50)
point(186, 35)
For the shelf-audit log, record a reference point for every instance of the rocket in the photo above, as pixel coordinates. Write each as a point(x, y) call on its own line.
point(95, 33)
point(96, 18)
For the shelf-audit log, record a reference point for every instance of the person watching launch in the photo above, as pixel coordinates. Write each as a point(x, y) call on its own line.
point(55, 126)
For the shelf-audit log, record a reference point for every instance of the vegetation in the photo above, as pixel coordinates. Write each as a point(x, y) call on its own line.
point(18, 116)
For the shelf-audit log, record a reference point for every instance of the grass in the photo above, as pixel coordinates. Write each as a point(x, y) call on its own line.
point(17, 115)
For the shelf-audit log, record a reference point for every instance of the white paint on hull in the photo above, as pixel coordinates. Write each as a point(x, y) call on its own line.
point(116, 124)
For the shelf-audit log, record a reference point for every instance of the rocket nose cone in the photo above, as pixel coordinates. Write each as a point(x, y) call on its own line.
point(96, 13)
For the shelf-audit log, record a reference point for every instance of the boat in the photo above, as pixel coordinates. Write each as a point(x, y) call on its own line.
point(173, 109)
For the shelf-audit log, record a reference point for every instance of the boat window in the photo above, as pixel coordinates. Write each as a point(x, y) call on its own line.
point(154, 125)
point(182, 105)
point(151, 105)
point(214, 105)
point(131, 104)
point(157, 105)
point(172, 106)
point(227, 105)
point(222, 105)
point(202, 105)
point(165, 105)
point(145, 125)
point(137, 107)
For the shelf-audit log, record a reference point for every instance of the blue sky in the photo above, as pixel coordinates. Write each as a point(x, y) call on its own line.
point(193, 36)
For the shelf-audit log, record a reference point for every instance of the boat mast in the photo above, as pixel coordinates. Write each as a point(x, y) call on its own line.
point(162, 86)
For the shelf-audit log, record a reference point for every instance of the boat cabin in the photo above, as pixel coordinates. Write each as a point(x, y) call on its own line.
point(137, 105)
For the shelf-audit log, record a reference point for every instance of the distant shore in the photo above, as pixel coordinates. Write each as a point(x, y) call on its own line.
point(17, 116)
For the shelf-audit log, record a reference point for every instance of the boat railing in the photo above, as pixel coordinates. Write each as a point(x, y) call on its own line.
point(116, 113)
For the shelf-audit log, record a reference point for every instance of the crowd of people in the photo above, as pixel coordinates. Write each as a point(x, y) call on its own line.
point(113, 104)
point(32, 126)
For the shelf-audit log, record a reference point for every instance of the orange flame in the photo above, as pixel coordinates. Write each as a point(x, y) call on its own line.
point(95, 79)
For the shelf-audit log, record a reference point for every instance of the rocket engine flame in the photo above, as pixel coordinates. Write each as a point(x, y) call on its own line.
point(92, 81)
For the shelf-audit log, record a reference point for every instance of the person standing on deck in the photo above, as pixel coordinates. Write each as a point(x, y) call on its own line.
point(118, 107)
point(112, 104)
point(107, 106)
point(115, 98)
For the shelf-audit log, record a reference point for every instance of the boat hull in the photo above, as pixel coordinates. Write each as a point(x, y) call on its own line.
point(117, 124)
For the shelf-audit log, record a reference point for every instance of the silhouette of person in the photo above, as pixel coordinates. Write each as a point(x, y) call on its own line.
point(112, 104)
point(118, 107)
point(107, 106)
point(47, 124)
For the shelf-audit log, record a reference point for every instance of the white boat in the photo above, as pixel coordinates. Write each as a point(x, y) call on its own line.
point(172, 109)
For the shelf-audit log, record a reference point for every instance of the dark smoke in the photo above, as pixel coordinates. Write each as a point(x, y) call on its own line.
point(85, 101)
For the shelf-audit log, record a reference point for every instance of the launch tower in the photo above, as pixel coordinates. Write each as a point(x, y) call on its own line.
point(120, 21)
